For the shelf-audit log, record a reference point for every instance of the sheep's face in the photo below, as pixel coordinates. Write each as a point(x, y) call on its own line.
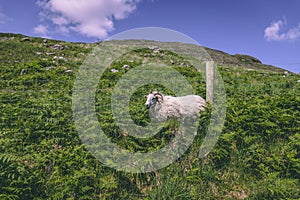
point(151, 100)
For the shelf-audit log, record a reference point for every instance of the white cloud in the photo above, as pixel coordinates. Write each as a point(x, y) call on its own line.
point(274, 32)
point(92, 18)
point(41, 30)
point(3, 17)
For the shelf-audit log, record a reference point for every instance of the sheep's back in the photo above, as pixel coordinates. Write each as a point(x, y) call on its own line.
point(191, 104)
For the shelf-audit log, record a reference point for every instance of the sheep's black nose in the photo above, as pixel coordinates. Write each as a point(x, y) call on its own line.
point(147, 106)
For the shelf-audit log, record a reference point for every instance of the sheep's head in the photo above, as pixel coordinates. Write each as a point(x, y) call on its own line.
point(153, 98)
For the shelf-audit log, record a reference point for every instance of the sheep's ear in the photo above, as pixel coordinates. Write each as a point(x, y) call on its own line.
point(159, 98)
point(146, 96)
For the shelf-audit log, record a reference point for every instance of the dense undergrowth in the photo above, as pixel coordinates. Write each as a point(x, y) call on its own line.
point(42, 157)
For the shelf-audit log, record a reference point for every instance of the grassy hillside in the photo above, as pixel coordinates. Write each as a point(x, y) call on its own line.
point(41, 156)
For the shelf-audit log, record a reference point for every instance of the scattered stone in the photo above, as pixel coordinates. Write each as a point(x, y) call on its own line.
point(298, 81)
point(50, 68)
point(114, 70)
point(39, 53)
point(77, 59)
point(22, 71)
point(59, 58)
point(152, 47)
point(286, 73)
point(7, 38)
point(69, 71)
point(45, 41)
point(172, 62)
point(57, 47)
point(25, 39)
point(50, 53)
point(155, 49)
point(126, 67)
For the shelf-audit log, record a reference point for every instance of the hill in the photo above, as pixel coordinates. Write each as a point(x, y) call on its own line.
point(219, 57)
point(42, 156)
point(245, 61)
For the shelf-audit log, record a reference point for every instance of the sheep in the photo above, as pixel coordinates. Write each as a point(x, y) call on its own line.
point(166, 107)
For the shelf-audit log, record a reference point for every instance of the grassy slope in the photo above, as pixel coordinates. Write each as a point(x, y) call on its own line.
point(41, 156)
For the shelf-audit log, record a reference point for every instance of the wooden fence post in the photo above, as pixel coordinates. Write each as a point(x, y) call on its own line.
point(210, 73)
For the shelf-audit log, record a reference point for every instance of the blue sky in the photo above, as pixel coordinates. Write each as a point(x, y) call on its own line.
point(266, 29)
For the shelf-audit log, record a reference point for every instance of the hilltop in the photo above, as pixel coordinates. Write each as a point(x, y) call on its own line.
point(42, 157)
point(219, 57)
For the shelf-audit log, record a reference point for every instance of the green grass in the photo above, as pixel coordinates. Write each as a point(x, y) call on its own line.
point(42, 157)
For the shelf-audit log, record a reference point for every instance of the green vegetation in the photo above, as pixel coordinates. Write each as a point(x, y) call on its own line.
point(41, 156)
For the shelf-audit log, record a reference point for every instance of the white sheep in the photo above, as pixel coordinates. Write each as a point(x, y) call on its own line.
point(165, 107)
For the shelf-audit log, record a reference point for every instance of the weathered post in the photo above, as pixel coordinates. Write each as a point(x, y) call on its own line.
point(210, 73)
